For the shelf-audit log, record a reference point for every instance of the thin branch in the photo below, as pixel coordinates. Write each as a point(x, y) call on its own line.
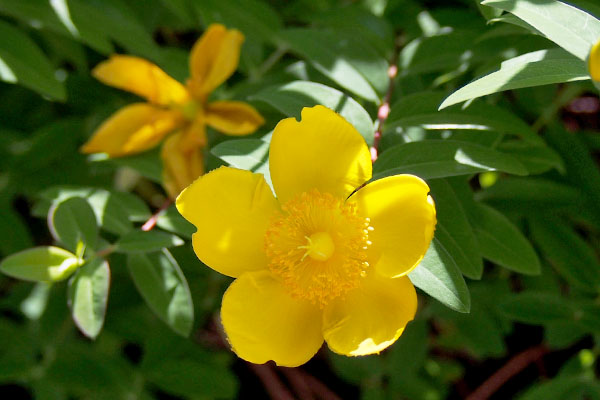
point(151, 223)
point(298, 383)
point(515, 365)
point(384, 109)
point(271, 382)
point(318, 388)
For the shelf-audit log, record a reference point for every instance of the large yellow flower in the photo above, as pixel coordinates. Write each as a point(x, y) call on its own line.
point(173, 107)
point(594, 62)
point(322, 260)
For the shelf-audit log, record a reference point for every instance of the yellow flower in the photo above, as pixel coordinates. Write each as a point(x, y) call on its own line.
point(594, 62)
point(173, 107)
point(322, 261)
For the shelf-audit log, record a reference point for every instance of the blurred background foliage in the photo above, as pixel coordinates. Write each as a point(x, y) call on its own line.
point(514, 175)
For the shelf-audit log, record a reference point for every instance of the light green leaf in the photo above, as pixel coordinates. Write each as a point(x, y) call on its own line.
point(88, 296)
point(161, 283)
point(114, 210)
point(568, 253)
point(41, 264)
point(338, 59)
point(140, 241)
point(21, 61)
point(291, 97)
point(73, 221)
point(438, 276)
point(147, 164)
point(430, 159)
point(541, 67)
point(421, 110)
point(248, 154)
point(569, 27)
point(501, 242)
point(170, 220)
point(454, 231)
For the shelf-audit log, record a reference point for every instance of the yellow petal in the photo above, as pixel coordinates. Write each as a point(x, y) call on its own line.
point(263, 322)
point(231, 209)
point(141, 77)
point(370, 318)
point(233, 117)
point(133, 129)
point(180, 167)
point(403, 219)
point(594, 62)
point(214, 58)
point(322, 151)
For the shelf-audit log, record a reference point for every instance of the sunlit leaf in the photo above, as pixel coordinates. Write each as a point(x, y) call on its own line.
point(88, 296)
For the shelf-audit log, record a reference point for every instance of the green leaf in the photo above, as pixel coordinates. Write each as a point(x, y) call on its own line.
point(537, 159)
point(525, 195)
point(537, 308)
point(147, 164)
point(114, 210)
point(454, 231)
point(170, 220)
point(42, 15)
point(438, 276)
point(291, 97)
point(73, 221)
point(582, 169)
point(248, 154)
point(542, 67)
point(41, 264)
point(256, 19)
point(430, 159)
point(161, 283)
point(193, 379)
point(502, 242)
point(421, 110)
point(21, 61)
point(567, 252)
point(569, 27)
point(337, 59)
point(562, 388)
point(140, 241)
point(13, 230)
point(88, 296)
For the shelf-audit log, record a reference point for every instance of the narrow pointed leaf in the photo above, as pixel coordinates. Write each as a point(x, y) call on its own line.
point(502, 242)
point(569, 27)
point(541, 67)
point(438, 276)
point(430, 159)
point(291, 97)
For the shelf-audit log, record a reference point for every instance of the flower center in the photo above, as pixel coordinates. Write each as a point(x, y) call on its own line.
point(317, 245)
point(320, 246)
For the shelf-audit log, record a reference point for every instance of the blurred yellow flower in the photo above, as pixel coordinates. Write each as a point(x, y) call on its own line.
point(174, 107)
point(322, 261)
point(594, 62)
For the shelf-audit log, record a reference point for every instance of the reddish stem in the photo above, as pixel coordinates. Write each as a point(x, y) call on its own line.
point(384, 109)
point(151, 223)
point(515, 365)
